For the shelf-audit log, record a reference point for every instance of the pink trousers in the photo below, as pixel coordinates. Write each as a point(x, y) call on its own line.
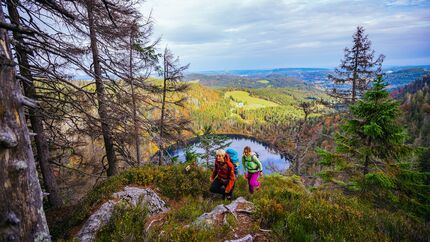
point(253, 181)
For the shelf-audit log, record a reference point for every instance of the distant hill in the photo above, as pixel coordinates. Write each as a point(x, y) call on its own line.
point(264, 72)
point(415, 99)
point(412, 88)
point(236, 81)
point(396, 76)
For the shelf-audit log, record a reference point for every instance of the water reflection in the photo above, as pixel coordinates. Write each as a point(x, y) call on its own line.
point(271, 160)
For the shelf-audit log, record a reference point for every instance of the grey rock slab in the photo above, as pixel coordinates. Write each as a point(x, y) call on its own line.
point(217, 214)
point(142, 196)
point(134, 196)
point(247, 238)
point(96, 221)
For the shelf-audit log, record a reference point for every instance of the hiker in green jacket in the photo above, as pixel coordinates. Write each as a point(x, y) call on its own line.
point(252, 168)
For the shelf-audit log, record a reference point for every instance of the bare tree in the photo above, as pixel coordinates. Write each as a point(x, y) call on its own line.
point(358, 68)
point(21, 211)
point(142, 61)
point(169, 125)
point(35, 116)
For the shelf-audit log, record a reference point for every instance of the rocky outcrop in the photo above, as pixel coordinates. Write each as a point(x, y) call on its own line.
point(142, 196)
point(217, 215)
point(247, 238)
point(134, 196)
point(240, 209)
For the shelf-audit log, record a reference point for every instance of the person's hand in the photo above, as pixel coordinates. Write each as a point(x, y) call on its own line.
point(261, 173)
point(212, 180)
point(245, 175)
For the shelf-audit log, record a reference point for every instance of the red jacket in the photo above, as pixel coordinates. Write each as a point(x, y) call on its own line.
point(224, 172)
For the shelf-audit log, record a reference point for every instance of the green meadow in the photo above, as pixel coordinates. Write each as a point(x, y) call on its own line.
point(246, 101)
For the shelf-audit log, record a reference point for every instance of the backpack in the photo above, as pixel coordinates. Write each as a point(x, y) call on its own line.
point(233, 157)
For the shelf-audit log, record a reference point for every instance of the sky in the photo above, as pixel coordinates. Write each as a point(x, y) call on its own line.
point(266, 34)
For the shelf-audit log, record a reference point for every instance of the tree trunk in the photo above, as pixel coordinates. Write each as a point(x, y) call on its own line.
point(163, 107)
point(133, 97)
point(21, 209)
point(100, 90)
point(207, 156)
point(367, 159)
point(366, 165)
point(43, 155)
point(355, 76)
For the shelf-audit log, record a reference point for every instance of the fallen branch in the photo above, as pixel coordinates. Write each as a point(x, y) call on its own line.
point(150, 224)
point(266, 230)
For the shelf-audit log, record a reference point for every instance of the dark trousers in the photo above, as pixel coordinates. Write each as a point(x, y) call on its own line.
point(218, 187)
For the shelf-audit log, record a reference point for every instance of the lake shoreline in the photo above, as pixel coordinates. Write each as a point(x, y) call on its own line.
point(268, 154)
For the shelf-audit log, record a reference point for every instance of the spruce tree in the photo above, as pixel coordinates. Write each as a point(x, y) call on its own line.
point(372, 139)
point(371, 153)
point(358, 68)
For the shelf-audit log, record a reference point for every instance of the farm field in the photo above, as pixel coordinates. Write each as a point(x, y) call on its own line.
point(244, 100)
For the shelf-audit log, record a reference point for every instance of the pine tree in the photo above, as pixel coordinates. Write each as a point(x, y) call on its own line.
point(357, 68)
point(372, 139)
point(371, 153)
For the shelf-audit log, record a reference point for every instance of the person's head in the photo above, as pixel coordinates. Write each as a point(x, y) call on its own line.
point(220, 155)
point(247, 151)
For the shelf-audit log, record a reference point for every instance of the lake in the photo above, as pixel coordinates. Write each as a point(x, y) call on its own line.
point(271, 160)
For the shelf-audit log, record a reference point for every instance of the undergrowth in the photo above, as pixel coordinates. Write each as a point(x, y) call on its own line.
point(284, 206)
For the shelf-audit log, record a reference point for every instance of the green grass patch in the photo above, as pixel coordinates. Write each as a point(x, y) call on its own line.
point(127, 224)
point(248, 101)
point(295, 214)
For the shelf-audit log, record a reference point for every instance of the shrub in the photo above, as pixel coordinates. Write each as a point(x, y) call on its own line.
point(127, 224)
point(172, 181)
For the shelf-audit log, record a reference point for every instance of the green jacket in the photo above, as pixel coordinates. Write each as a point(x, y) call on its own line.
point(251, 163)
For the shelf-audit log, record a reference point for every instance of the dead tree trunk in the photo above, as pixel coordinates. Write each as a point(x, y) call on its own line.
point(133, 97)
point(43, 155)
point(100, 90)
point(21, 209)
point(163, 109)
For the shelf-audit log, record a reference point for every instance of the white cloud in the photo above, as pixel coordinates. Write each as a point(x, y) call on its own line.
point(227, 34)
point(404, 2)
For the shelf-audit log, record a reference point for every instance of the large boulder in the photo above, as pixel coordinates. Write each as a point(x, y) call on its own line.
point(134, 196)
point(143, 197)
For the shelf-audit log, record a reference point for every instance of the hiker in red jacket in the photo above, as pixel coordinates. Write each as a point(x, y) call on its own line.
point(222, 177)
